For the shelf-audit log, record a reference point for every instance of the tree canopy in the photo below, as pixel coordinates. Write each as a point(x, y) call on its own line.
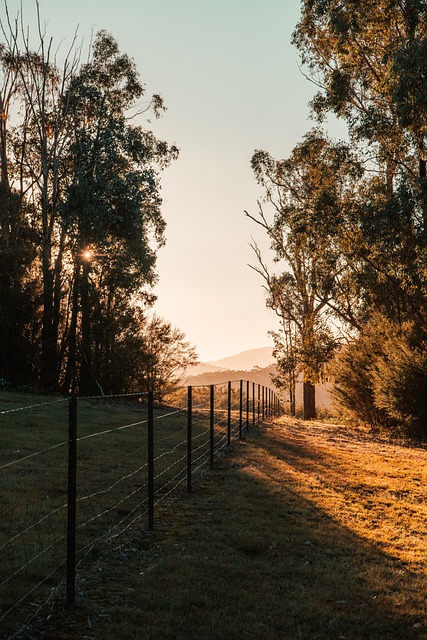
point(358, 210)
point(81, 217)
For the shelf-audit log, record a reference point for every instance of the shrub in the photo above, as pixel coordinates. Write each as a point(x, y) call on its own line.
point(400, 385)
point(381, 377)
point(352, 384)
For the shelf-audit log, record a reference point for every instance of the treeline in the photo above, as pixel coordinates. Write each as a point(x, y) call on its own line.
point(348, 220)
point(258, 375)
point(80, 220)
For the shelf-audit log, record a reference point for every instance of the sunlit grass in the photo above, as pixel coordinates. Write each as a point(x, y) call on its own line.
point(305, 532)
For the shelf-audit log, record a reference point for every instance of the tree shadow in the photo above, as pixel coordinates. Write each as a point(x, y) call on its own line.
point(248, 556)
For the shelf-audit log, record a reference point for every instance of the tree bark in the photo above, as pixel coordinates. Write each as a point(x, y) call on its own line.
point(87, 382)
point(309, 401)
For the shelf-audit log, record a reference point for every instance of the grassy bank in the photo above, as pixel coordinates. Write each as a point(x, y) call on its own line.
point(303, 533)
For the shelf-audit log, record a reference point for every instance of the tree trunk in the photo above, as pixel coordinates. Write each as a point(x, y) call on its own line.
point(87, 382)
point(423, 181)
point(292, 400)
point(48, 372)
point(309, 400)
point(70, 379)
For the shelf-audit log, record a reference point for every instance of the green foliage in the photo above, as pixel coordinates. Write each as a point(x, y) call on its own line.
point(381, 377)
point(352, 382)
point(400, 384)
point(87, 176)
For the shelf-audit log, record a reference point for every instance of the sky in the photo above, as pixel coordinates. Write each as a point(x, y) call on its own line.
point(232, 83)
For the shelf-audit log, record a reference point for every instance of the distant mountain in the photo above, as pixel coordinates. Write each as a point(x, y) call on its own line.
point(247, 360)
point(202, 368)
point(244, 361)
point(255, 365)
point(258, 375)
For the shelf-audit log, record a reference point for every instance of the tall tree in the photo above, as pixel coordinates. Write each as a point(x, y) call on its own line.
point(40, 143)
point(112, 210)
point(309, 192)
point(368, 60)
point(80, 205)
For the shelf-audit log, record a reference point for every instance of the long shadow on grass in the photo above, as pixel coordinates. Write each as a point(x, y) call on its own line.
point(251, 558)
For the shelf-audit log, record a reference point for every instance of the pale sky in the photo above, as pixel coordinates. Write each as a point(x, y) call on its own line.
point(231, 83)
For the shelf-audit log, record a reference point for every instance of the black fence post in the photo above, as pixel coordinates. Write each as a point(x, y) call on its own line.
point(263, 403)
point(229, 414)
point(72, 501)
point(150, 460)
point(253, 404)
point(259, 401)
point(189, 434)
point(211, 426)
point(240, 409)
point(247, 405)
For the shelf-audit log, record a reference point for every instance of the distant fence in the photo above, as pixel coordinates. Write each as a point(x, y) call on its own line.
point(83, 475)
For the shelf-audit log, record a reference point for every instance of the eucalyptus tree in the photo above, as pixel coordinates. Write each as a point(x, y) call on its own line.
point(112, 208)
point(309, 193)
point(31, 144)
point(368, 60)
point(81, 183)
point(34, 157)
point(15, 248)
point(166, 354)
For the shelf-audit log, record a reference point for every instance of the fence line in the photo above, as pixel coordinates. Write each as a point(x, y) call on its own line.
point(169, 462)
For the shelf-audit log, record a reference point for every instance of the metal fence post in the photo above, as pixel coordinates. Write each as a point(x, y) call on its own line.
point(189, 434)
point(229, 414)
point(211, 426)
point(259, 402)
point(72, 501)
point(253, 404)
point(150, 460)
point(240, 409)
point(247, 405)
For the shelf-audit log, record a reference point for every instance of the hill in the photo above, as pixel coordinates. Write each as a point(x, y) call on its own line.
point(247, 360)
point(244, 361)
point(258, 375)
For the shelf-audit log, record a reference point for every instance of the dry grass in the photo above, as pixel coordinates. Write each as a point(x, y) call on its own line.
point(305, 532)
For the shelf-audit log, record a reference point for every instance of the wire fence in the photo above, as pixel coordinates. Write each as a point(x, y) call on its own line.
point(80, 473)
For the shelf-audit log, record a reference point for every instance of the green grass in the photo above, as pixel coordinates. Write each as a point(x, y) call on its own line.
point(111, 484)
point(302, 532)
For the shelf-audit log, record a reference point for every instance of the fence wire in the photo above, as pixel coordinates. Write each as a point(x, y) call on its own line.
point(113, 474)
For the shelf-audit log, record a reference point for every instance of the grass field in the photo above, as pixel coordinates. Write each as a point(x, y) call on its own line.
point(111, 486)
point(304, 531)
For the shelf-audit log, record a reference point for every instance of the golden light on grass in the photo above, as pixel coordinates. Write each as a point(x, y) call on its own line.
point(306, 531)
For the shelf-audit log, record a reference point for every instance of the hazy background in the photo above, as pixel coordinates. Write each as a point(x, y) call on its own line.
point(230, 80)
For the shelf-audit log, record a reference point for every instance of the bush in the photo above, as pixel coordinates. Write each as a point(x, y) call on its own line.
point(381, 378)
point(400, 385)
point(352, 383)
